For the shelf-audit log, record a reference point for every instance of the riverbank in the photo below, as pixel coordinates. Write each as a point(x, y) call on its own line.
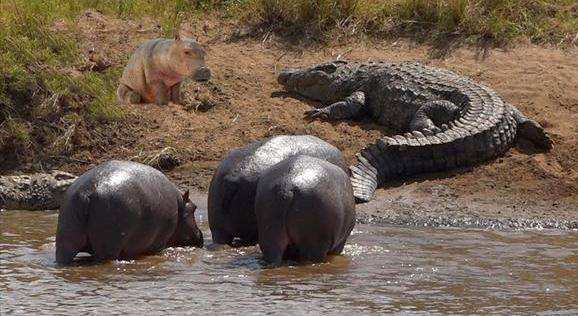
point(243, 103)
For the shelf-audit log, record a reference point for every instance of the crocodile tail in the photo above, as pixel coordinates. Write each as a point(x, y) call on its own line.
point(484, 131)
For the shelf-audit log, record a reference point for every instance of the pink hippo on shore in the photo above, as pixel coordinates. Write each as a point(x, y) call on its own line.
point(156, 69)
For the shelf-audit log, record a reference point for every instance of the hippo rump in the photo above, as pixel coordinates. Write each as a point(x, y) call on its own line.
point(231, 201)
point(156, 69)
point(121, 210)
point(305, 210)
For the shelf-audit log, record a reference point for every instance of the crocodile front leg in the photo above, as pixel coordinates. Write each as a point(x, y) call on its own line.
point(433, 114)
point(349, 108)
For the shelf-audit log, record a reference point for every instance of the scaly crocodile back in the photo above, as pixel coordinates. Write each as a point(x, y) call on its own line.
point(485, 128)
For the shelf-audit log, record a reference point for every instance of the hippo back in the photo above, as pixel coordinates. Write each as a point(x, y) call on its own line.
point(118, 178)
point(250, 161)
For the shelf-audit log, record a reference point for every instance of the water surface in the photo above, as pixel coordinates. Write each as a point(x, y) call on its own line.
point(383, 270)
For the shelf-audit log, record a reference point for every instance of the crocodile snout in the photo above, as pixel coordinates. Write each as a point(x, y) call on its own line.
point(284, 76)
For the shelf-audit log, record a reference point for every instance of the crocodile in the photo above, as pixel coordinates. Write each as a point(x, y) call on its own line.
point(441, 120)
point(38, 191)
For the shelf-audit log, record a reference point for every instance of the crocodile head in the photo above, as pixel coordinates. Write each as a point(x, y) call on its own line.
point(328, 82)
point(59, 184)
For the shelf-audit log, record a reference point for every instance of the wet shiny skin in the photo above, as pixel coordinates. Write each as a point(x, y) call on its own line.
point(383, 270)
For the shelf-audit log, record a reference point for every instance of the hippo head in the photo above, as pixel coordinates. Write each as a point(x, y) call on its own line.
point(188, 59)
point(187, 232)
point(325, 82)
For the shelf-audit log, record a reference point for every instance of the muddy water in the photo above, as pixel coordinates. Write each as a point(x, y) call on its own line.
point(383, 270)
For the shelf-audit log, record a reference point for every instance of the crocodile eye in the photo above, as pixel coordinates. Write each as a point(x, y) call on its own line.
point(327, 68)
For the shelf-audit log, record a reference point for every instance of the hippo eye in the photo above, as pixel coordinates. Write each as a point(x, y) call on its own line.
point(188, 52)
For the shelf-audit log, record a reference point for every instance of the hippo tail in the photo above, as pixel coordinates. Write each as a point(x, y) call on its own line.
point(231, 189)
point(275, 240)
point(221, 200)
point(71, 234)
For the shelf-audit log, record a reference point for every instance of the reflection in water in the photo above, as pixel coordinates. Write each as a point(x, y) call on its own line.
point(384, 269)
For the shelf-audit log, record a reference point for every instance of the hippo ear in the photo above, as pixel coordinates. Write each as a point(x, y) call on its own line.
point(177, 36)
point(186, 196)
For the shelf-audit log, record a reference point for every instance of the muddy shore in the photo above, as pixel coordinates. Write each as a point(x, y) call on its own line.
point(525, 188)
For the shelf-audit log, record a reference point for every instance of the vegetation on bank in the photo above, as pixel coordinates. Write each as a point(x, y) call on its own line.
point(496, 21)
point(50, 94)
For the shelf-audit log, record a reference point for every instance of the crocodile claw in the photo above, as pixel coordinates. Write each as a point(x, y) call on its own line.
point(316, 114)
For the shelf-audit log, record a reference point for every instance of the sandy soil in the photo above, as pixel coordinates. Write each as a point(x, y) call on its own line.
point(243, 103)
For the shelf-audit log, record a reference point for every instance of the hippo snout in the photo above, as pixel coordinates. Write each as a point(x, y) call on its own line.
point(202, 74)
point(284, 76)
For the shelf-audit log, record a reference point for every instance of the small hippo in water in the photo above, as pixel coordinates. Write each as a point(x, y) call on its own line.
point(305, 210)
point(155, 71)
point(231, 201)
point(121, 210)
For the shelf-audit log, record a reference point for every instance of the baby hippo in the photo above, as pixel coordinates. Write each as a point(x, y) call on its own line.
point(305, 210)
point(155, 71)
point(122, 210)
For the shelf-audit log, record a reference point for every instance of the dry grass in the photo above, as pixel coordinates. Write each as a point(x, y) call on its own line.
point(499, 21)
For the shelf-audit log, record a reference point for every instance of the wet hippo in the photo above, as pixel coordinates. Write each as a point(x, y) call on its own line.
point(121, 210)
point(305, 210)
point(231, 201)
point(155, 71)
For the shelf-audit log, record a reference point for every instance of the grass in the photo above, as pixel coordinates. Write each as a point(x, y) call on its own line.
point(499, 21)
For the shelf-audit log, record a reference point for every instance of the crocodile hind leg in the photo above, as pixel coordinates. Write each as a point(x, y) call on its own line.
point(530, 129)
point(433, 114)
point(349, 108)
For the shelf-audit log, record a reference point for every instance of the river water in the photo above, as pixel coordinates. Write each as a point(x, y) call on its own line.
point(384, 270)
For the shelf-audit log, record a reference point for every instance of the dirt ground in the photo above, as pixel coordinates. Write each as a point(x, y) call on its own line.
point(244, 103)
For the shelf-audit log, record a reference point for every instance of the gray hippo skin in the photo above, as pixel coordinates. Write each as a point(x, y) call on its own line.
point(305, 210)
point(156, 69)
point(443, 120)
point(38, 191)
point(121, 210)
point(231, 198)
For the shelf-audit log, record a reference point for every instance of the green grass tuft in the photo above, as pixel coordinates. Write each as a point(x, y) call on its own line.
point(18, 132)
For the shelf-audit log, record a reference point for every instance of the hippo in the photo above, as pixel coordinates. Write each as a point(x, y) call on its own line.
point(122, 210)
point(305, 210)
point(156, 69)
point(231, 200)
